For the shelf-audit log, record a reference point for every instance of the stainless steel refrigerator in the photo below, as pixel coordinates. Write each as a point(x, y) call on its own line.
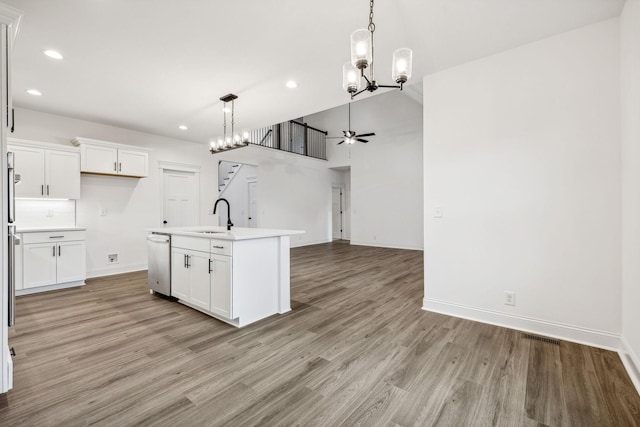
point(9, 24)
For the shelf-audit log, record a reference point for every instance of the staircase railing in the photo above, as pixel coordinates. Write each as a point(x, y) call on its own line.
point(292, 137)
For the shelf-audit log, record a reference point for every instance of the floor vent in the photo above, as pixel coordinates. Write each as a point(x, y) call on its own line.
point(541, 339)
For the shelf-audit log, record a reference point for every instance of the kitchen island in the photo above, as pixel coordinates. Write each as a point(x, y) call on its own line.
point(238, 276)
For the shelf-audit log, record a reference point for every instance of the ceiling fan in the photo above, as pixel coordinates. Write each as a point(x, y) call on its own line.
point(350, 137)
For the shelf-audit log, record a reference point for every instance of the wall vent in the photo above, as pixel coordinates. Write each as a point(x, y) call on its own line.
point(541, 339)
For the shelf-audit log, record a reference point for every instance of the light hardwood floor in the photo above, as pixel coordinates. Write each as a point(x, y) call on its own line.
point(356, 350)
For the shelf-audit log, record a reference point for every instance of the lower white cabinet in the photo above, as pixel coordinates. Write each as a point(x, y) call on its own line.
point(190, 277)
point(52, 258)
point(201, 279)
point(221, 286)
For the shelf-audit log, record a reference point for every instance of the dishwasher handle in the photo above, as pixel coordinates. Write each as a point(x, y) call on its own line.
point(158, 238)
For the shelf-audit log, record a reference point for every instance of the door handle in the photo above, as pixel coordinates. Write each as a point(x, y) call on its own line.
point(13, 120)
point(185, 260)
point(188, 261)
point(54, 250)
point(115, 166)
point(59, 251)
point(47, 189)
point(120, 167)
point(42, 189)
point(210, 270)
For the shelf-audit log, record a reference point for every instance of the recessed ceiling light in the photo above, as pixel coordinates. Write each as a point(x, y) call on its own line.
point(53, 54)
point(182, 127)
point(292, 84)
point(34, 92)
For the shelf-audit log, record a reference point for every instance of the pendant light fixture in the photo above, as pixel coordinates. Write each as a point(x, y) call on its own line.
point(362, 56)
point(234, 140)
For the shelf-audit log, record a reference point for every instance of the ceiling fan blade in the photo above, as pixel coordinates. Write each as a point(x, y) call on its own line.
point(334, 137)
point(345, 133)
point(366, 134)
point(362, 140)
point(341, 142)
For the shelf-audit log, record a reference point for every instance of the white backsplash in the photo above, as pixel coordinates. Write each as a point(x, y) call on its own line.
point(45, 213)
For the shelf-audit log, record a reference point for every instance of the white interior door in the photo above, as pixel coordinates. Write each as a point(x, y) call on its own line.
point(336, 212)
point(253, 203)
point(179, 207)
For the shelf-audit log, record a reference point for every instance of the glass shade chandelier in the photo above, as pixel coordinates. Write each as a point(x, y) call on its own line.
point(362, 56)
point(234, 140)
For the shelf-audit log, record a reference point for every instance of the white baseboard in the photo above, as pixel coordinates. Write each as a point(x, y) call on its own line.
point(49, 288)
point(630, 361)
point(119, 270)
point(577, 334)
point(380, 245)
point(301, 244)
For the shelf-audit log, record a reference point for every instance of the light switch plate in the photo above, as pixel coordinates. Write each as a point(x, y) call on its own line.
point(437, 212)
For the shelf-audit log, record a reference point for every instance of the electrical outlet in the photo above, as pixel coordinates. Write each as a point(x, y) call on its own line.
point(509, 298)
point(103, 212)
point(437, 212)
point(112, 258)
point(50, 212)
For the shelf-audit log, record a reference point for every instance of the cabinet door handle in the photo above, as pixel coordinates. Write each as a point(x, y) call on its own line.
point(219, 247)
point(59, 251)
point(115, 166)
point(56, 237)
point(188, 261)
point(210, 270)
point(13, 120)
point(54, 250)
point(42, 189)
point(47, 189)
point(184, 260)
point(120, 167)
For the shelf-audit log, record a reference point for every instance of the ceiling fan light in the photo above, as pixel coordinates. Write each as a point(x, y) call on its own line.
point(350, 78)
point(361, 49)
point(402, 64)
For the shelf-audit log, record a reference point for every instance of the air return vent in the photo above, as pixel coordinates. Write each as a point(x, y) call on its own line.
point(541, 339)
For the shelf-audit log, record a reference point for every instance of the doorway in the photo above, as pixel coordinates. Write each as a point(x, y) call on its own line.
point(180, 197)
point(337, 212)
point(252, 190)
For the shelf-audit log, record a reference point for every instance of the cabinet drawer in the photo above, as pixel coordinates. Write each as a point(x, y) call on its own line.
point(52, 236)
point(193, 243)
point(221, 247)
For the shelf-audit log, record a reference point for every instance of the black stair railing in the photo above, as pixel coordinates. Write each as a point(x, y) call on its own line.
point(292, 137)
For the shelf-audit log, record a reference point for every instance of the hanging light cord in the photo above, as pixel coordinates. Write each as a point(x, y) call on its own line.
point(372, 29)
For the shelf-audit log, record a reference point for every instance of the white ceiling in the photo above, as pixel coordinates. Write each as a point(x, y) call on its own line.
point(152, 65)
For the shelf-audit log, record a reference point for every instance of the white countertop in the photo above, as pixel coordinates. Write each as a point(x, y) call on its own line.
point(236, 233)
point(45, 229)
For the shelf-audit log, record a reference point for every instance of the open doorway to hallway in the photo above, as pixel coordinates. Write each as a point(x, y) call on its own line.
point(341, 204)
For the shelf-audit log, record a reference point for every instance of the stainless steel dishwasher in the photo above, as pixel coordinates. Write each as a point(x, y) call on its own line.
point(159, 273)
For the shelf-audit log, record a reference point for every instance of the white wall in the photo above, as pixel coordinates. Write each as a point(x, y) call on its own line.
point(386, 173)
point(522, 152)
point(294, 191)
point(630, 55)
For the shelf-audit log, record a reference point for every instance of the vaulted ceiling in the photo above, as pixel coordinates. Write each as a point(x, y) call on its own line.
point(153, 65)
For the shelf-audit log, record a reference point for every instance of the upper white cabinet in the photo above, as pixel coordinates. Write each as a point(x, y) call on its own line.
point(46, 170)
point(109, 158)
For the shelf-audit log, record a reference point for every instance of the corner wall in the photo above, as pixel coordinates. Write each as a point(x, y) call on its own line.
point(386, 173)
point(522, 154)
point(630, 61)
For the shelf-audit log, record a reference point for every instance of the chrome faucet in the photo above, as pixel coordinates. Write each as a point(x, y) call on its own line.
point(229, 223)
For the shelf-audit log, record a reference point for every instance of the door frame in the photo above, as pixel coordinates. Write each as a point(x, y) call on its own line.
point(342, 206)
point(251, 180)
point(179, 167)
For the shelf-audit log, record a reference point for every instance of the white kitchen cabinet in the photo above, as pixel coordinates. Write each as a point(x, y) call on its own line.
point(190, 277)
point(52, 260)
point(221, 291)
point(109, 158)
point(46, 171)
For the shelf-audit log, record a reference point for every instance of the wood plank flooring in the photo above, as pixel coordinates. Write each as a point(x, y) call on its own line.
point(356, 350)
